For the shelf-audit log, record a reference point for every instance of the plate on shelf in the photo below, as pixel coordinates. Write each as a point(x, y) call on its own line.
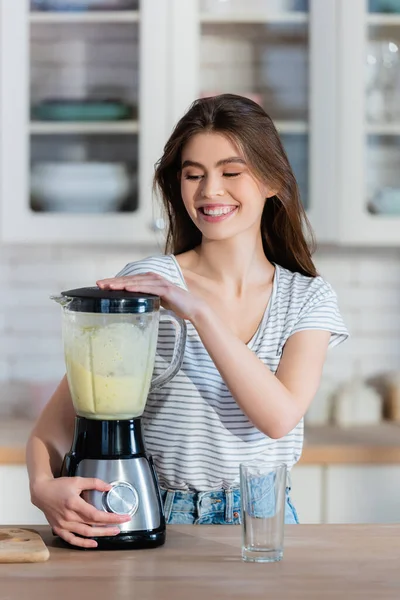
point(81, 110)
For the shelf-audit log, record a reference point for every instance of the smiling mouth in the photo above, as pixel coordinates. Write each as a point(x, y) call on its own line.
point(217, 212)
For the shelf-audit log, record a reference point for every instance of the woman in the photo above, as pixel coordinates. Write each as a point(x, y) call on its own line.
point(238, 268)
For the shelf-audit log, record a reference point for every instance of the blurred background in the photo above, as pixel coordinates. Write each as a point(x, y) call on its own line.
point(89, 93)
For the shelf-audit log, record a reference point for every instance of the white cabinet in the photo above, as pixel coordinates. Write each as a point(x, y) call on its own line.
point(281, 54)
point(307, 492)
point(363, 494)
point(369, 121)
point(280, 57)
point(346, 493)
point(15, 505)
point(79, 90)
point(327, 72)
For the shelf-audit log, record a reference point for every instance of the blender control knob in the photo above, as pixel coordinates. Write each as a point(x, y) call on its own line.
point(122, 499)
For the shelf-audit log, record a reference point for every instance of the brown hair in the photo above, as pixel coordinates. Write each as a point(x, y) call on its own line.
point(247, 125)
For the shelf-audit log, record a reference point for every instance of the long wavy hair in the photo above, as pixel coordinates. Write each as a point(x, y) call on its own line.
point(245, 123)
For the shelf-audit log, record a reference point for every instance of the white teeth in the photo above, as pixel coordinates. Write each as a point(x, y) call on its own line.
point(216, 212)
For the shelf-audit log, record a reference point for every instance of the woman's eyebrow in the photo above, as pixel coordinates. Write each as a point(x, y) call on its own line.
point(223, 161)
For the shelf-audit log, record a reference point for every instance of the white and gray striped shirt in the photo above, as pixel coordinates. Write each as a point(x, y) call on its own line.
point(193, 427)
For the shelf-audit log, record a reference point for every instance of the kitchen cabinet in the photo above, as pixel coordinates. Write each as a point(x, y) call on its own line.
point(277, 51)
point(320, 494)
point(15, 504)
point(282, 55)
point(327, 72)
point(83, 119)
point(307, 492)
point(369, 121)
point(362, 494)
point(353, 493)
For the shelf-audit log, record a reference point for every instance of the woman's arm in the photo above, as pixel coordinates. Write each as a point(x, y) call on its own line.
point(275, 404)
point(51, 436)
point(59, 498)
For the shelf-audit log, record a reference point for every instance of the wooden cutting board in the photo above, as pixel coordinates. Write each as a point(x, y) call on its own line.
point(21, 546)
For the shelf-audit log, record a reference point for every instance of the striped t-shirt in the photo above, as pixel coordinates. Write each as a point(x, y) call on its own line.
point(194, 429)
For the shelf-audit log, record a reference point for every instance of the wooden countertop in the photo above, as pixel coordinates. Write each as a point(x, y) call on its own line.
point(321, 562)
point(378, 444)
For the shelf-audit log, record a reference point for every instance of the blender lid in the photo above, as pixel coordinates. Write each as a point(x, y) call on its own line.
point(93, 299)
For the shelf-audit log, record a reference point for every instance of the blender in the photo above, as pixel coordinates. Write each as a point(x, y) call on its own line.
point(110, 340)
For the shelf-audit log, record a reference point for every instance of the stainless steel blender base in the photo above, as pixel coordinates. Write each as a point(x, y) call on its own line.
point(133, 493)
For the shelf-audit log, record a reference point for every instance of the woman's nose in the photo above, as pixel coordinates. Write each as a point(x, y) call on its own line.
point(211, 187)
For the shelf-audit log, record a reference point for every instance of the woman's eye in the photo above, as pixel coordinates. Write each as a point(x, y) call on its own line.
point(231, 174)
point(193, 177)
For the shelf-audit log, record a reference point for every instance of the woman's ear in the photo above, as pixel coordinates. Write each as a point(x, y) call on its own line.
point(270, 192)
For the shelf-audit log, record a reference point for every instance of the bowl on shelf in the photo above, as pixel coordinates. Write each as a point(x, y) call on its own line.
point(82, 5)
point(385, 202)
point(81, 187)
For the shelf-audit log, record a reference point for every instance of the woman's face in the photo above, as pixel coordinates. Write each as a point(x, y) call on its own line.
point(221, 195)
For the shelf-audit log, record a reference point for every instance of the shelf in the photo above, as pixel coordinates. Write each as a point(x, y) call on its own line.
point(383, 19)
point(383, 129)
point(131, 127)
point(117, 16)
point(291, 126)
point(284, 18)
point(93, 128)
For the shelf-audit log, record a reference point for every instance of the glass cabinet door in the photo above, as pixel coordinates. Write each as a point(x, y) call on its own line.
point(369, 105)
point(84, 106)
point(278, 53)
point(92, 82)
point(260, 49)
point(382, 109)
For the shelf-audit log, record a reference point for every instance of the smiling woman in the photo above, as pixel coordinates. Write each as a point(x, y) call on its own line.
point(259, 322)
point(217, 190)
point(249, 144)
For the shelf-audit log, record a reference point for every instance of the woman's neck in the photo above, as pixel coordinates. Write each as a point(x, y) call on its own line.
point(235, 264)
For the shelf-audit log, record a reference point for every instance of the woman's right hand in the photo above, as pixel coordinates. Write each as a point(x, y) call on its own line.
point(69, 515)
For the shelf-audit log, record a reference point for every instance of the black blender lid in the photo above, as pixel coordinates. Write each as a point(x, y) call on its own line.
point(96, 292)
point(94, 299)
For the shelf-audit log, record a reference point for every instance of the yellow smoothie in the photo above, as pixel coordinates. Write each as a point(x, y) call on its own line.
point(97, 396)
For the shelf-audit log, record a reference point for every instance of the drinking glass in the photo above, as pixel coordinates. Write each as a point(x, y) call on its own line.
point(263, 498)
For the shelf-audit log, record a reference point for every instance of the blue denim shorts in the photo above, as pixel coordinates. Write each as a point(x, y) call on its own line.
point(221, 507)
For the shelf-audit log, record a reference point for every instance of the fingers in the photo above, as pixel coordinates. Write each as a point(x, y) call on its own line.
point(120, 283)
point(90, 514)
point(71, 538)
point(87, 531)
point(92, 483)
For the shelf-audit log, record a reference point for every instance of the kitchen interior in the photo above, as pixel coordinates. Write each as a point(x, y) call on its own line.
point(90, 90)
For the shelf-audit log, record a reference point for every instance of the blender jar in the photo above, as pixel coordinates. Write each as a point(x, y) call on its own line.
point(110, 340)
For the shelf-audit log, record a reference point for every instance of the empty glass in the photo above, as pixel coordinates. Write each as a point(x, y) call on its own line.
point(263, 498)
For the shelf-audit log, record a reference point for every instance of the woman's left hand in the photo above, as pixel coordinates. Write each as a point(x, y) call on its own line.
point(182, 303)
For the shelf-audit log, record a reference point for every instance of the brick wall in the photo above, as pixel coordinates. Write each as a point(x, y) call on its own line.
point(31, 358)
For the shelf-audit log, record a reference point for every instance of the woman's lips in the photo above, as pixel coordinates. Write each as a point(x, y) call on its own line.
point(216, 218)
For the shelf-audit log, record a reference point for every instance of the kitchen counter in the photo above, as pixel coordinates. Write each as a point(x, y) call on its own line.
point(320, 562)
point(378, 444)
